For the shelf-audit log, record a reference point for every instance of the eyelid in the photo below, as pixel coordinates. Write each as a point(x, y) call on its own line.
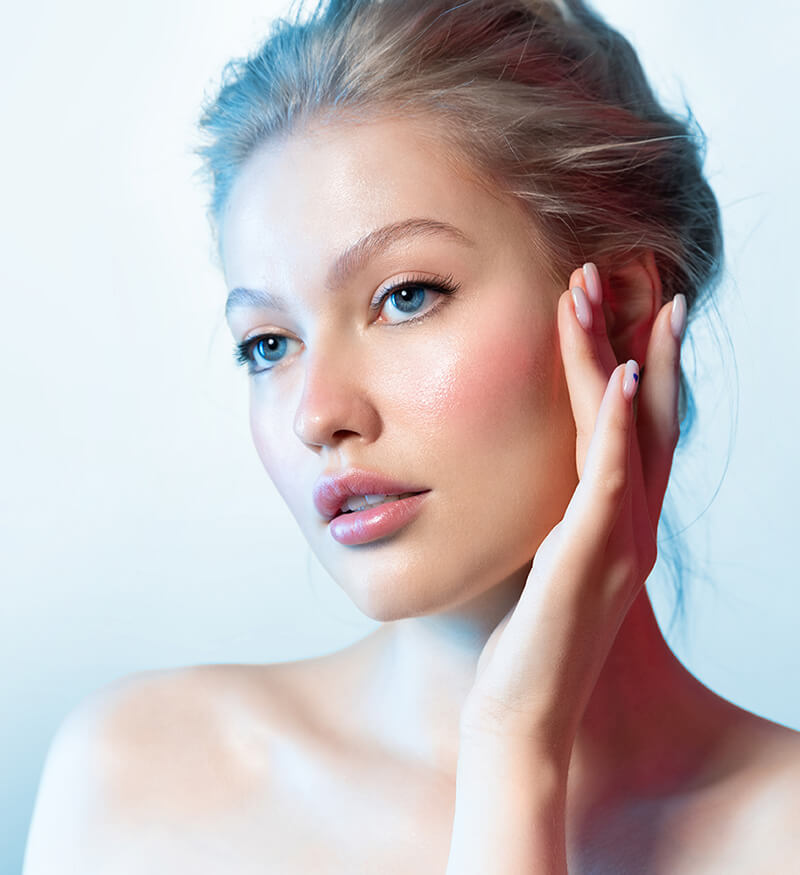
point(441, 284)
point(261, 333)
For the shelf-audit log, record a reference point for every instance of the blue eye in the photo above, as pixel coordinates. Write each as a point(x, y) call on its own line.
point(270, 347)
point(406, 299)
point(408, 294)
point(264, 351)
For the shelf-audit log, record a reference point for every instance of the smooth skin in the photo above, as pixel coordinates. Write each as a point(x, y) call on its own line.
point(519, 669)
point(538, 668)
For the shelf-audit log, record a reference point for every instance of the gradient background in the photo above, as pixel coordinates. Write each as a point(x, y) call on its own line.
point(138, 528)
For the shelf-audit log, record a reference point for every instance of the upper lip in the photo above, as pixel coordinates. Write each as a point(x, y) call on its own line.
point(331, 490)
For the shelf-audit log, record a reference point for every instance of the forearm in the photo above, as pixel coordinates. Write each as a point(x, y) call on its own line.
point(510, 808)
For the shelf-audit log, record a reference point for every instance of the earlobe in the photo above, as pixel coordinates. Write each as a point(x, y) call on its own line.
point(631, 301)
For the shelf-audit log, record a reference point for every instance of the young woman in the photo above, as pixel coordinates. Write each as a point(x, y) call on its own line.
point(461, 243)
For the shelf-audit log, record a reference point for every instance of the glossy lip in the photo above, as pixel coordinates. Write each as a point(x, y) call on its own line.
point(332, 489)
point(376, 523)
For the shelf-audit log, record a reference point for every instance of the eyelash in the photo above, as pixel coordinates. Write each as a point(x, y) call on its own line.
point(243, 352)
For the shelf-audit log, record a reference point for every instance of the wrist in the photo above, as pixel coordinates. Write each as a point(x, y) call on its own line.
point(551, 747)
point(509, 808)
point(516, 753)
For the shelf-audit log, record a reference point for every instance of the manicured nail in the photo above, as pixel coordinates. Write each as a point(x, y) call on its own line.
point(677, 319)
point(594, 288)
point(583, 309)
point(630, 380)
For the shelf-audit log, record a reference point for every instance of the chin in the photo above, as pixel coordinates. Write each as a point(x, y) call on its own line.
point(389, 581)
point(386, 602)
point(390, 596)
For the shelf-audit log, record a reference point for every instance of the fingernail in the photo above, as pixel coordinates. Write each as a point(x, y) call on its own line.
point(630, 379)
point(583, 309)
point(594, 288)
point(677, 319)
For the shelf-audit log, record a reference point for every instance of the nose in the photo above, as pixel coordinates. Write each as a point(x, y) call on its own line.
point(335, 404)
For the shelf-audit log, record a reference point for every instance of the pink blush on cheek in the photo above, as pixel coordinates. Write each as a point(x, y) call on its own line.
point(499, 379)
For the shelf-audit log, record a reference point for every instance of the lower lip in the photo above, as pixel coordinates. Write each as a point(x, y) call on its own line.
point(367, 525)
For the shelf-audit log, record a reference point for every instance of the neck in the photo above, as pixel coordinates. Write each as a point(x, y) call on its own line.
point(646, 710)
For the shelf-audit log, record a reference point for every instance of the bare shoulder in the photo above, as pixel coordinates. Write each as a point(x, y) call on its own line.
point(768, 752)
point(193, 741)
point(166, 747)
point(773, 778)
point(745, 816)
point(765, 797)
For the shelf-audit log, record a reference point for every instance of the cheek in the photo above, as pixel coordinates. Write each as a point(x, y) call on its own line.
point(500, 435)
point(491, 386)
point(273, 447)
point(497, 384)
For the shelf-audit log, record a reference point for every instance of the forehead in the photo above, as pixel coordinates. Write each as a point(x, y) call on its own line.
point(318, 190)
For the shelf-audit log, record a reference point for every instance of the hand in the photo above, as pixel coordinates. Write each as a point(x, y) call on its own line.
point(537, 670)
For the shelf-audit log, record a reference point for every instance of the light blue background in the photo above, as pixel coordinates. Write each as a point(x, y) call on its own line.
point(138, 528)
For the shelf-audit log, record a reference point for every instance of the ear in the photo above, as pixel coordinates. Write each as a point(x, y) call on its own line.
point(631, 301)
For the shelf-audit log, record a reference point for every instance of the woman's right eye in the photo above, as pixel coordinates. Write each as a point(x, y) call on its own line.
point(262, 352)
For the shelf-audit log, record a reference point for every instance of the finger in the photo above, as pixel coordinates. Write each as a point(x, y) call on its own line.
point(606, 478)
point(636, 527)
point(560, 593)
point(585, 375)
point(657, 413)
point(588, 278)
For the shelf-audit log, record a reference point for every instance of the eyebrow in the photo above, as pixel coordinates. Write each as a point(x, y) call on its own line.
point(353, 259)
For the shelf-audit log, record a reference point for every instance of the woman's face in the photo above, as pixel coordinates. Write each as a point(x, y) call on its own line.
point(461, 394)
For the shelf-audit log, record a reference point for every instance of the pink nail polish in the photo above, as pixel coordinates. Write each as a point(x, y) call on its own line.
point(594, 288)
point(583, 309)
point(677, 318)
point(630, 379)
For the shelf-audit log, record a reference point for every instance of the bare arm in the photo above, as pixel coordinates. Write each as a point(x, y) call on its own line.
point(58, 838)
point(509, 815)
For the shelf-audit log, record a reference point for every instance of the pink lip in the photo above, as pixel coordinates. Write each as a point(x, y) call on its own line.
point(330, 491)
point(364, 526)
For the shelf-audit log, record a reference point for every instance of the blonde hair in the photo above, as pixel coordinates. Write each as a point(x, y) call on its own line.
point(541, 99)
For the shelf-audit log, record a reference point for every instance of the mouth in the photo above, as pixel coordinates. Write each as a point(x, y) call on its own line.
point(354, 490)
point(387, 516)
point(358, 503)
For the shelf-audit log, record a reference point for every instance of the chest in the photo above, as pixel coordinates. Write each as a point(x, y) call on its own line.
point(327, 815)
point(331, 813)
point(338, 814)
point(354, 830)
